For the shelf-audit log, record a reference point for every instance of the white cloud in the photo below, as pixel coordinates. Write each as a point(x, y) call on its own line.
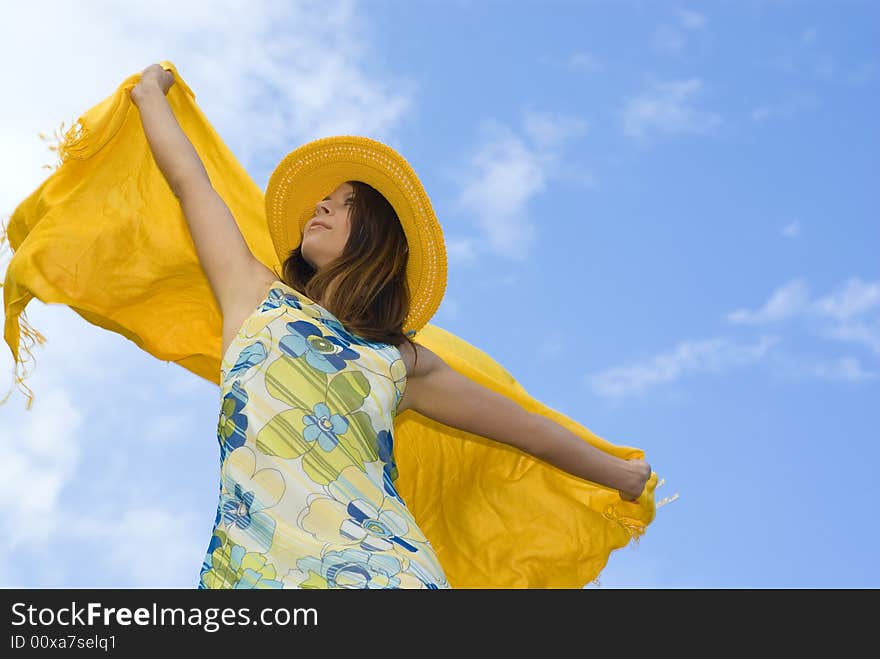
point(842, 315)
point(449, 310)
point(786, 108)
point(41, 454)
point(800, 57)
point(785, 302)
point(145, 547)
point(691, 20)
point(864, 333)
point(666, 107)
point(551, 131)
point(846, 369)
point(855, 297)
point(845, 310)
point(505, 171)
point(843, 368)
point(576, 61)
point(715, 355)
point(668, 39)
point(461, 250)
point(98, 417)
point(174, 427)
point(792, 229)
point(584, 61)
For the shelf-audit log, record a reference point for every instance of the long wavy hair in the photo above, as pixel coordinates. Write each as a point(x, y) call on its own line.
point(371, 297)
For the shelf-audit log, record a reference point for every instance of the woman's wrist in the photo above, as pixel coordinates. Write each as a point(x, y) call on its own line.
point(143, 88)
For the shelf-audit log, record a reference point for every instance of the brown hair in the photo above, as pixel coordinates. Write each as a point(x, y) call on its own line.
point(371, 297)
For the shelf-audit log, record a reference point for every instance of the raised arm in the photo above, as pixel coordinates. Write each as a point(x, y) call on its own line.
point(226, 259)
point(441, 393)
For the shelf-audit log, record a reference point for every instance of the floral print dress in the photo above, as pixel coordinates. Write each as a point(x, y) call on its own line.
point(307, 496)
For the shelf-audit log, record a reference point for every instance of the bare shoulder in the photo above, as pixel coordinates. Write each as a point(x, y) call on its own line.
point(415, 369)
point(252, 289)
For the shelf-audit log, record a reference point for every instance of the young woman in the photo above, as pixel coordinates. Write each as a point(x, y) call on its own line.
point(319, 359)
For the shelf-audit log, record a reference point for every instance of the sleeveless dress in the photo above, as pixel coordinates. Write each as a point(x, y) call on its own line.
point(307, 471)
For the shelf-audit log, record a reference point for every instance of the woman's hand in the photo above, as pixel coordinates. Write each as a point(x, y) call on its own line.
point(154, 75)
point(641, 472)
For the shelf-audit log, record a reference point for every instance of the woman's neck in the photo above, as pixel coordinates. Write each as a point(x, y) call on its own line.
point(328, 295)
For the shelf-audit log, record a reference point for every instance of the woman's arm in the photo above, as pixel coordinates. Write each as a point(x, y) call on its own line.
point(172, 150)
point(441, 393)
point(232, 270)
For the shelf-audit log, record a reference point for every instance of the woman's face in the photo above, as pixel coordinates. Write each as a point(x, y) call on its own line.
point(326, 233)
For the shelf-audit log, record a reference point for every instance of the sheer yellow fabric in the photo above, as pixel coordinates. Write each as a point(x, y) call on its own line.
point(105, 235)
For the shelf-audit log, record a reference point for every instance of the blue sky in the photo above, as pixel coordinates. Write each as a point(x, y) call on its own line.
point(658, 217)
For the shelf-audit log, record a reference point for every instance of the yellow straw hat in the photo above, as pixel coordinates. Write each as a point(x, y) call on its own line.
point(313, 170)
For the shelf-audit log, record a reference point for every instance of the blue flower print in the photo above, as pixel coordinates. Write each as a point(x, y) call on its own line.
point(339, 328)
point(350, 568)
point(347, 336)
point(233, 422)
point(248, 358)
point(385, 442)
point(431, 582)
point(324, 427)
point(216, 541)
point(358, 512)
point(250, 522)
point(237, 508)
point(382, 530)
point(324, 353)
point(278, 297)
point(247, 493)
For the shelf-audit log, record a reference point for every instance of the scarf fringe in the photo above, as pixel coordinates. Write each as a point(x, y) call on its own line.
point(665, 500)
point(28, 336)
point(70, 143)
point(4, 242)
point(634, 527)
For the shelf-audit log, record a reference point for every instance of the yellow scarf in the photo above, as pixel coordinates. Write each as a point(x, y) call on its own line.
point(105, 235)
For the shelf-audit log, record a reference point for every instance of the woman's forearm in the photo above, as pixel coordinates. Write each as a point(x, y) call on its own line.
point(172, 150)
point(562, 448)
